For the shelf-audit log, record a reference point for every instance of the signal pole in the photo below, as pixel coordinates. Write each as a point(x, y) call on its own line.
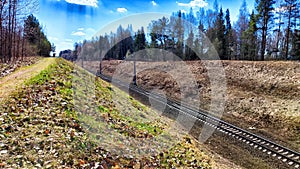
point(134, 72)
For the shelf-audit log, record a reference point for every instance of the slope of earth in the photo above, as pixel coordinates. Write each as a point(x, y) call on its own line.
point(65, 117)
point(266, 95)
point(261, 96)
point(8, 68)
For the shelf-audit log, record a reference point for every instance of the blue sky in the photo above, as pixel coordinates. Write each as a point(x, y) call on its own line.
point(68, 21)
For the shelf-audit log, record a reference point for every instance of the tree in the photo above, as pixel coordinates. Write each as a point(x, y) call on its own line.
point(12, 43)
point(201, 16)
point(159, 32)
point(44, 46)
point(241, 26)
point(35, 36)
point(140, 43)
point(296, 44)
point(140, 40)
point(219, 40)
point(264, 9)
point(120, 43)
point(153, 37)
point(199, 41)
point(31, 29)
point(8, 32)
point(250, 47)
point(189, 53)
point(291, 12)
point(179, 33)
point(216, 9)
point(229, 41)
point(279, 23)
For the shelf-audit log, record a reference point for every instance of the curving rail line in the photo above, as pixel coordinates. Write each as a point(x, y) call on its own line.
point(288, 156)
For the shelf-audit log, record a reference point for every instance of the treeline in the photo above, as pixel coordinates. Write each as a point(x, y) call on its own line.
point(271, 31)
point(21, 34)
point(114, 46)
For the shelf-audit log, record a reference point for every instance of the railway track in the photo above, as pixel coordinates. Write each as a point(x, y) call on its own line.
point(287, 156)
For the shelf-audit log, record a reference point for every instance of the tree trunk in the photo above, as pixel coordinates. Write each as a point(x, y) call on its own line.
point(9, 47)
point(263, 44)
point(288, 34)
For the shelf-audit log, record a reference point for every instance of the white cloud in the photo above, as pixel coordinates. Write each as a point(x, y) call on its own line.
point(78, 33)
point(53, 38)
point(68, 40)
point(90, 31)
point(122, 10)
point(63, 45)
point(153, 3)
point(93, 3)
point(80, 29)
point(194, 3)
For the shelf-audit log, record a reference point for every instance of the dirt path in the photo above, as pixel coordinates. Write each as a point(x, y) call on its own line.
point(11, 82)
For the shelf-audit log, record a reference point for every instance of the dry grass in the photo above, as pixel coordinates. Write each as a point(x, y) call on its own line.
point(10, 83)
point(46, 124)
point(261, 96)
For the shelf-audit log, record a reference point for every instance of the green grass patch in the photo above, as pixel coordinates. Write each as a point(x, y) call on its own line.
point(136, 104)
point(42, 77)
point(148, 127)
point(66, 91)
point(103, 109)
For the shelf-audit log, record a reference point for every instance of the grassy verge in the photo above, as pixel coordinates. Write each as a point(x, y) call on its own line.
point(13, 81)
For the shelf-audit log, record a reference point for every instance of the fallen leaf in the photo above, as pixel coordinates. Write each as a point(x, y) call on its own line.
point(81, 162)
point(47, 132)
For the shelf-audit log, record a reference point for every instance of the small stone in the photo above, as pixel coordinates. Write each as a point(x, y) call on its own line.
point(38, 166)
point(252, 128)
point(19, 156)
point(48, 166)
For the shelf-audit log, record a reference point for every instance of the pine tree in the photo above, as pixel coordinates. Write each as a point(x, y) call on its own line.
point(201, 16)
point(241, 26)
point(296, 44)
point(199, 41)
point(264, 9)
point(179, 33)
point(220, 41)
point(228, 36)
point(279, 23)
point(153, 37)
point(31, 29)
point(291, 12)
point(189, 53)
point(34, 34)
point(140, 43)
point(250, 46)
point(216, 9)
